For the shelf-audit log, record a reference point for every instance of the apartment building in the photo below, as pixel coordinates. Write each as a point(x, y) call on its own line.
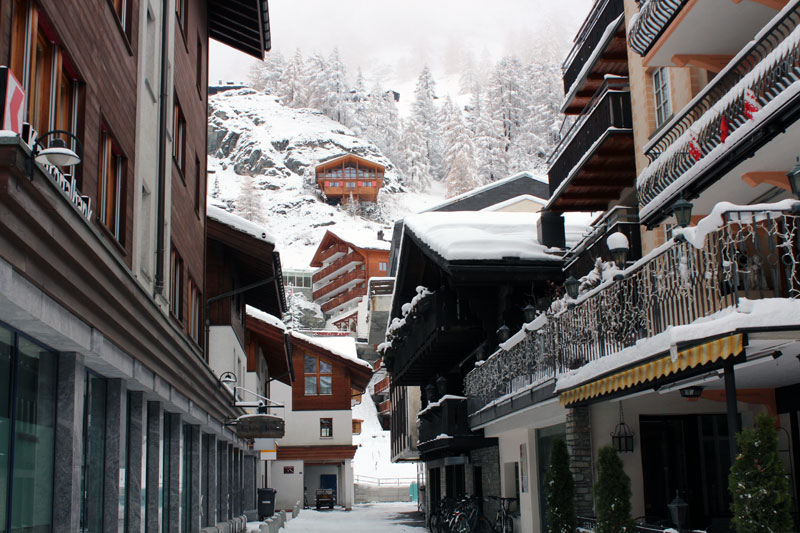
point(115, 419)
point(343, 268)
point(677, 323)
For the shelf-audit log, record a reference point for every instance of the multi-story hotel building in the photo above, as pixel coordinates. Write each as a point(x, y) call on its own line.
point(112, 418)
point(349, 177)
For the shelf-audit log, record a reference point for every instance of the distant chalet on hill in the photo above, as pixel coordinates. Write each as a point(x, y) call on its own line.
point(347, 176)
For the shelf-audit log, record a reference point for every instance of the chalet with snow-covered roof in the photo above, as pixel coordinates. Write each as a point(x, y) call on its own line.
point(349, 176)
point(344, 267)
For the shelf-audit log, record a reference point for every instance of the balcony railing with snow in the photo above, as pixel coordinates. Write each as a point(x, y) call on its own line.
point(769, 67)
point(653, 18)
point(603, 13)
point(748, 252)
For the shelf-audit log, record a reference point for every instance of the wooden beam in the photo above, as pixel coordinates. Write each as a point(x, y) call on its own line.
point(712, 62)
point(776, 179)
point(774, 4)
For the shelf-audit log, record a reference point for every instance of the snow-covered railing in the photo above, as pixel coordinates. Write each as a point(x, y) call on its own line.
point(338, 282)
point(736, 252)
point(765, 70)
point(603, 13)
point(653, 18)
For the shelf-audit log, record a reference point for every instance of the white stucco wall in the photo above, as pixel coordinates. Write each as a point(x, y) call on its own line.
point(226, 354)
point(289, 486)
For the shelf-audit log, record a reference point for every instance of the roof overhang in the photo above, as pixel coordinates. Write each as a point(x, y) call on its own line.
point(241, 24)
point(274, 346)
point(359, 374)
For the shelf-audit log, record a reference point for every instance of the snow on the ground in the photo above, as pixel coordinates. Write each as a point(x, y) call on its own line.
point(365, 518)
point(254, 138)
point(374, 455)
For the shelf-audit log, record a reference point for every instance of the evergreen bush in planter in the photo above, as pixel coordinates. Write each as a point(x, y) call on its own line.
point(613, 494)
point(757, 482)
point(560, 491)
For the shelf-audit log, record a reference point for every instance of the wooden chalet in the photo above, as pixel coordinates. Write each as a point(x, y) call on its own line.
point(344, 267)
point(350, 176)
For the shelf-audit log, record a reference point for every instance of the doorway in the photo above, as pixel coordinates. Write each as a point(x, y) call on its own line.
point(686, 455)
point(328, 481)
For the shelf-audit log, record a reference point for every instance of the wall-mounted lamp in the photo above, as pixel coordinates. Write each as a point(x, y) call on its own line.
point(683, 212)
point(572, 285)
point(503, 333)
point(56, 154)
point(528, 313)
point(691, 392)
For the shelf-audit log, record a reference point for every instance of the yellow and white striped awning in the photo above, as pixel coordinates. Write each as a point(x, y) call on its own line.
point(699, 355)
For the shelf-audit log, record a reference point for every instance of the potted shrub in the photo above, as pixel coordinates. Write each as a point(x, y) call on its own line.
point(560, 491)
point(613, 494)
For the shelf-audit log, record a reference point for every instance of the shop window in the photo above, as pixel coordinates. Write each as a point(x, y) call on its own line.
point(326, 428)
point(112, 186)
point(179, 136)
point(176, 286)
point(662, 96)
point(318, 376)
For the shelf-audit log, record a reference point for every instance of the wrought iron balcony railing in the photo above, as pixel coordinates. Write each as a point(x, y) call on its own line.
point(603, 13)
point(769, 66)
point(654, 17)
point(753, 254)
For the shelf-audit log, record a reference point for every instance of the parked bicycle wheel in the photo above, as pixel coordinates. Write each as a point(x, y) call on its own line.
point(482, 525)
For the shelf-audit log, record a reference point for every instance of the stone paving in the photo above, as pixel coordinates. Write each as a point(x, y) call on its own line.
point(364, 518)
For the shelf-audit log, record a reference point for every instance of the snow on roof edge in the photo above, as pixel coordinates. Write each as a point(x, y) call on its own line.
point(218, 214)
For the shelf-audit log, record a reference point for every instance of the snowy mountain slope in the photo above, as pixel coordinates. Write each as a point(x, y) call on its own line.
point(261, 161)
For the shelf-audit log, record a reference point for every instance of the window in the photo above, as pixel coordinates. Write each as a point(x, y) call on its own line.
point(180, 14)
point(199, 67)
point(326, 428)
point(121, 9)
point(662, 96)
point(176, 285)
point(179, 136)
point(357, 426)
point(187, 478)
point(94, 438)
point(382, 267)
point(194, 312)
point(197, 184)
point(112, 185)
point(318, 378)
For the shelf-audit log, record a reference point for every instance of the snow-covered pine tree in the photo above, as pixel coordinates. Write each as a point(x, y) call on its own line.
point(247, 204)
point(423, 111)
point(336, 89)
point(488, 147)
point(382, 124)
point(266, 75)
point(757, 481)
point(560, 491)
point(357, 118)
point(461, 172)
point(412, 155)
point(315, 82)
point(613, 494)
point(290, 85)
point(508, 104)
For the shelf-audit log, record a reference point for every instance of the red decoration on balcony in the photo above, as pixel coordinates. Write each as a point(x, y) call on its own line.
point(694, 146)
point(724, 129)
point(751, 104)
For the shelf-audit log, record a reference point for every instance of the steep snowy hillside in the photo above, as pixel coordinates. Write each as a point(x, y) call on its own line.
point(261, 162)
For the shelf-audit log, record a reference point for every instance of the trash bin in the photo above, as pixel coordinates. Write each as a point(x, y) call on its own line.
point(266, 503)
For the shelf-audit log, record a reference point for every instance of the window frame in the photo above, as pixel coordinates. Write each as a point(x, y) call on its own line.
point(326, 426)
point(662, 99)
point(112, 162)
point(194, 318)
point(179, 137)
point(316, 376)
point(176, 285)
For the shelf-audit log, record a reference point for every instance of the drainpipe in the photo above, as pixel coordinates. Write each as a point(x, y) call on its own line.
point(162, 149)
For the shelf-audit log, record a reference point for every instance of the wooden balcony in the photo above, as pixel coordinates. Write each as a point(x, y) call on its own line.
point(595, 160)
point(336, 285)
point(343, 298)
point(382, 387)
point(385, 408)
point(753, 255)
point(654, 17)
point(599, 49)
point(323, 274)
point(769, 67)
point(582, 258)
point(444, 427)
point(334, 252)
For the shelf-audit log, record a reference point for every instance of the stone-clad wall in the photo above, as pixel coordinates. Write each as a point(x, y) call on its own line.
point(489, 461)
point(579, 445)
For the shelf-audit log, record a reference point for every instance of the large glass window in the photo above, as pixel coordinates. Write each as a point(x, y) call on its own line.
point(112, 185)
point(94, 440)
point(27, 434)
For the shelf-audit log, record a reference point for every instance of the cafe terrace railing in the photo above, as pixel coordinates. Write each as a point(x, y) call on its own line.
point(769, 67)
point(747, 254)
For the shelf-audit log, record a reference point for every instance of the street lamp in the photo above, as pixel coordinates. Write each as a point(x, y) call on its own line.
point(683, 212)
point(572, 284)
point(503, 333)
point(529, 313)
point(56, 154)
point(618, 246)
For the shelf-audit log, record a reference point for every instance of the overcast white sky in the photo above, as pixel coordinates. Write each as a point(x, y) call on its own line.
point(393, 39)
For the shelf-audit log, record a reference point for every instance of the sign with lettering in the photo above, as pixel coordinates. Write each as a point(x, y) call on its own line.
point(12, 96)
point(288, 470)
point(68, 185)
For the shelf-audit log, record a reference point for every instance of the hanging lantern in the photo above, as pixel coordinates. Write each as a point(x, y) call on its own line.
point(622, 438)
point(678, 509)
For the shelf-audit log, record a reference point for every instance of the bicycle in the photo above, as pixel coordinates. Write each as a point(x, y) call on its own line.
point(468, 517)
point(503, 522)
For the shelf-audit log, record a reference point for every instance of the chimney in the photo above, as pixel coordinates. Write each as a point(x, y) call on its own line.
point(380, 234)
point(551, 229)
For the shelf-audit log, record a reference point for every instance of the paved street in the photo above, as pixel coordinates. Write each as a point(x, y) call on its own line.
point(364, 518)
